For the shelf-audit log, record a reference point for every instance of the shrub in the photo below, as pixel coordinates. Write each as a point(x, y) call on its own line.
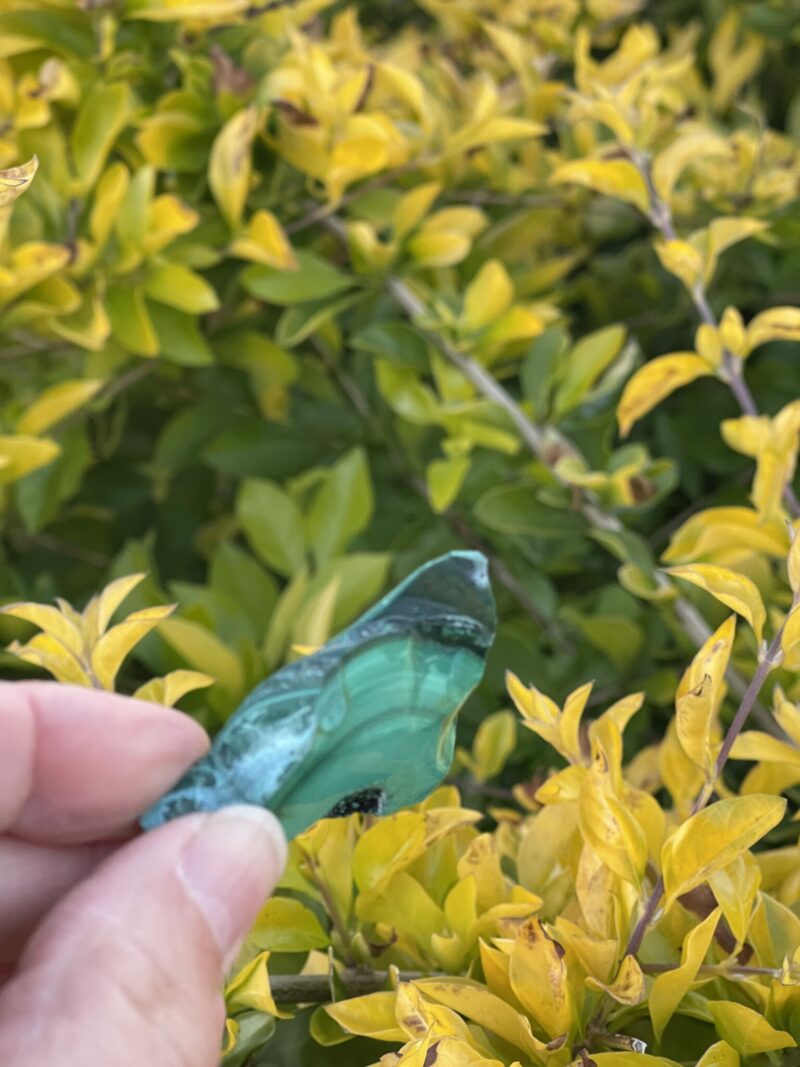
point(294, 296)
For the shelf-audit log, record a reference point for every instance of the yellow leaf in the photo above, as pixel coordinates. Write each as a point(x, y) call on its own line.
point(287, 925)
point(538, 976)
point(21, 454)
point(790, 638)
point(97, 613)
point(681, 259)
point(747, 1030)
point(372, 1016)
point(735, 591)
point(387, 847)
point(655, 381)
point(114, 645)
point(614, 177)
point(475, 1002)
point(169, 689)
point(250, 988)
point(669, 989)
point(45, 651)
point(488, 295)
point(736, 888)
point(628, 987)
point(755, 745)
point(719, 1055)
point(494, 742)
point(609, 827)
point(695, 719)
point(439, 248)
point(688, 147)
point(714, 529)
point(14, 181)
point(264, 241)
point(51, 621)
point(720, 235)
point(713, 838)
point(777, 324)
point(230, 164)
point(55, 403)
point(748, 434)
point(231, 1033)
point(413, 206)
point(793, 563)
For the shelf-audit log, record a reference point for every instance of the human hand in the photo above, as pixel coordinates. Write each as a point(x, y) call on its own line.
point(113, 948)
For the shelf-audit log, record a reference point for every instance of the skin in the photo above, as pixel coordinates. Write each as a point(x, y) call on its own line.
point(113, 946)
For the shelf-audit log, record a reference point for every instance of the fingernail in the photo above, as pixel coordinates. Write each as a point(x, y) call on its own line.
point(230, 867)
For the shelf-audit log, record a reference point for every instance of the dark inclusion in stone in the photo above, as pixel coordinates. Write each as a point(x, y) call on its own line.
point(366, 801)
point(367, 723)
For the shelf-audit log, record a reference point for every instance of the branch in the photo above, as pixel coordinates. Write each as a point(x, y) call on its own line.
point(661, 217)
point(319, 988)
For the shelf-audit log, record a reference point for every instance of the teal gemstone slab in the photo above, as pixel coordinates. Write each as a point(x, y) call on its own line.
point(368, 722)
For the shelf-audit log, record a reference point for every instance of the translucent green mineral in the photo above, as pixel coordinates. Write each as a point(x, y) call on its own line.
point(368, 722)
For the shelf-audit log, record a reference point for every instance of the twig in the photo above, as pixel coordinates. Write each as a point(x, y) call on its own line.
point(661, 217)
point(457, 524)
point(548, 447)
point(316, 988)
point(767, 663)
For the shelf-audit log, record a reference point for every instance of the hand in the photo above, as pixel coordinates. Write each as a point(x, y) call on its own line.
point(113, 948)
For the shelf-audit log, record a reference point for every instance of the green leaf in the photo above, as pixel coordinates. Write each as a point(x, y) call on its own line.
point(394, 341)
point(298, 323)
point(538, 369)
point(179, 337)
point(235, 572)
point(103, 115)
point(314, 280)
point(585, 363)
point(342, 508)
point(272, 524)
point(514, 509)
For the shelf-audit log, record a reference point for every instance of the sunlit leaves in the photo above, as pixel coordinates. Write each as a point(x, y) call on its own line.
point(655, 381)
point(735, 591)
point(80, 647)
point(713, 838)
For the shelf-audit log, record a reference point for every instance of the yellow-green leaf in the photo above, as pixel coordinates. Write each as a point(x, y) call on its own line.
point(776, 324)
point(178, 287)
point(714, 837)
point(735, 591)
point(445, 477)
point(21, 454)
point(204, 651)
point(115, 644)
point(488, 295)
point(230, 164)
point(15, 180)
point(719, 1055)
point(747, 1030)
point(55, 403)
point(286, 925)
point(169, 689)
point(610, 177)
point(655, 381)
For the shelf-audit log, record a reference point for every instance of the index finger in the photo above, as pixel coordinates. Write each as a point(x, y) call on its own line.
point(80, 765)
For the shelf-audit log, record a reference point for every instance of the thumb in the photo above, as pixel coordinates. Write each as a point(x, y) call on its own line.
point(127, 970)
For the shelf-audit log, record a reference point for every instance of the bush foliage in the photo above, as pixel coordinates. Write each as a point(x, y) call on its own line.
point(296, 295)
